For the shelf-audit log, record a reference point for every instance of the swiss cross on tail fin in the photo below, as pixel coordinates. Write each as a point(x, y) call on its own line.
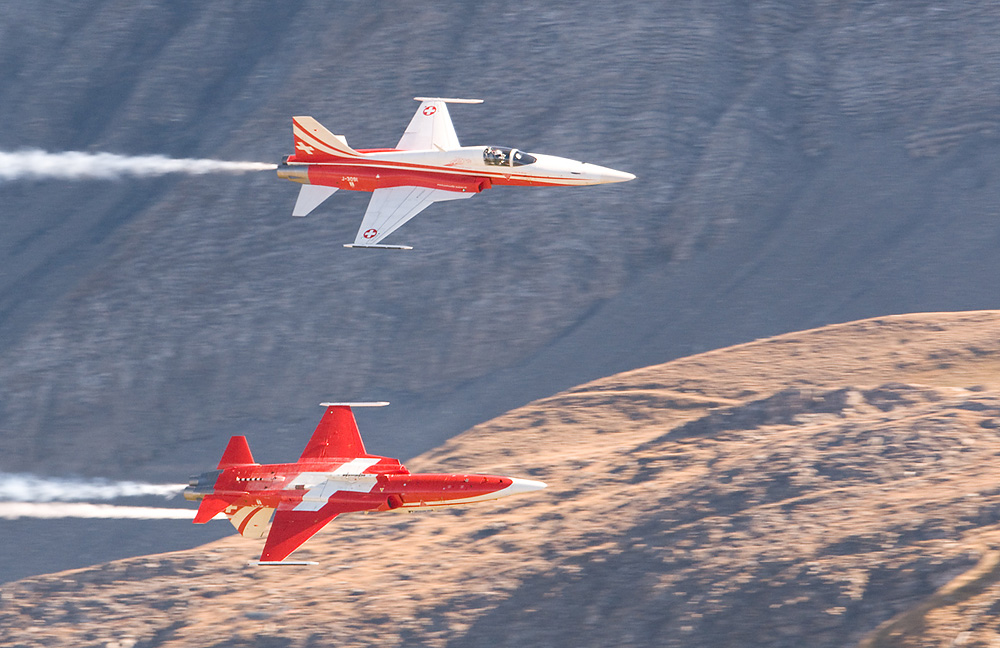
point(337, 434)
point(314, 143)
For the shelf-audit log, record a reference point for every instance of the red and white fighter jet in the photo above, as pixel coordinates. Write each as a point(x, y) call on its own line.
point(334, 475)
point(428, 165)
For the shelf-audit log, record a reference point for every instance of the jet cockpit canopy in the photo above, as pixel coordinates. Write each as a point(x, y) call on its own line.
point(504, 156)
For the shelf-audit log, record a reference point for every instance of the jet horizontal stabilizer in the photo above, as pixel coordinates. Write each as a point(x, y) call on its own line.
point(360, 404)
point(311, 197)
point(281, 563)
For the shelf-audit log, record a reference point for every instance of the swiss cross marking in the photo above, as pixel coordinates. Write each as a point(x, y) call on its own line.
point(430, 110)
point(302, 146)
point(370, 233)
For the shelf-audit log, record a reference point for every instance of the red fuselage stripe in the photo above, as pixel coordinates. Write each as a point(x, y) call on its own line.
point(368, 167)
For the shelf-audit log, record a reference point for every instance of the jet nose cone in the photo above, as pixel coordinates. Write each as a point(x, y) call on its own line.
point(604, 175)
point(613, 175)
point(524, 486)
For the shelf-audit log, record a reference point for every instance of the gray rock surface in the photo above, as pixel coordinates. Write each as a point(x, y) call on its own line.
point(797, 165)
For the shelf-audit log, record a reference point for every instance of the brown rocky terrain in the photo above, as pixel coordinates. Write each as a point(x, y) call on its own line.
point(834, 487)
point(799, 164)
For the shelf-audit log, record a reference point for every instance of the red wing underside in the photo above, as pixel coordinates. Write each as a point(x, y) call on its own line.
point(291, 528)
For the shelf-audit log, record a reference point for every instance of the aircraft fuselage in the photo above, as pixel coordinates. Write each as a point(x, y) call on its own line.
point(361, 484)
point(426, 166)
point(459, 170)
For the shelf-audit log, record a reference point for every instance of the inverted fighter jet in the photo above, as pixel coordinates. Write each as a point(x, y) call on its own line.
point(428, 165)
point(288, 503)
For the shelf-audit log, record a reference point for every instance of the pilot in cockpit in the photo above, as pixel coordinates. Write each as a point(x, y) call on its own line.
point(495, 156)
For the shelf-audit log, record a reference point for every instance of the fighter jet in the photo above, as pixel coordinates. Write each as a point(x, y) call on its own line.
point(428, 165)
point(288, 503)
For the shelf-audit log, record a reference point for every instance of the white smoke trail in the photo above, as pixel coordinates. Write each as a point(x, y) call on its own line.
point(55, 510)
point(76, 165)
point(16, 487)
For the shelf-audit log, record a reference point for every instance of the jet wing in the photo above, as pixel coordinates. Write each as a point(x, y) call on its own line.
point(390, 208)
point(431, 126)
point(291, 528)
point(293, 525)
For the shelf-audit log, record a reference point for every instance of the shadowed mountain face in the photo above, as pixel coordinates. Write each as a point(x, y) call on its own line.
point(796, 166)
point(832, 487)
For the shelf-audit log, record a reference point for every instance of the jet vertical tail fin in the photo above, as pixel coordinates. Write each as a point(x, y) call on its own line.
point(314, 143)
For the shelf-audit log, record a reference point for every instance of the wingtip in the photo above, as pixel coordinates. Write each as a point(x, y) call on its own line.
point(378, 247)
point(449, 100)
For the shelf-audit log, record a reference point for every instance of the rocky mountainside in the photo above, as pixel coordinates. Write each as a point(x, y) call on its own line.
point(834, 487)
point(798, 165)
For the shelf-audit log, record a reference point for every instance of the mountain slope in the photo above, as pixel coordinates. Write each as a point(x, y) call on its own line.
point(833, 486)
point(798, 165)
